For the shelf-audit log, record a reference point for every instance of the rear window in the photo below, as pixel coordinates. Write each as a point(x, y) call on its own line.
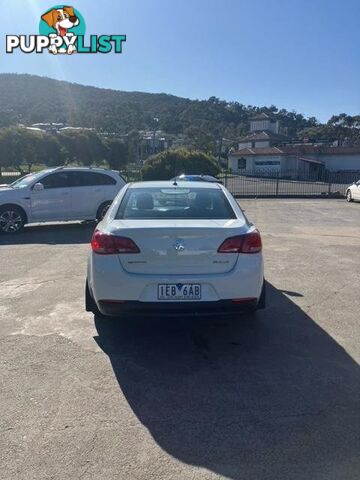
point(174, 203)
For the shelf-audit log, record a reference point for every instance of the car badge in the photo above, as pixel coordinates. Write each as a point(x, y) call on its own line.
point(179, 246)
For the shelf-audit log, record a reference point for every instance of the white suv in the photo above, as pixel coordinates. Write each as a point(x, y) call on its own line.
point(59, 194)
point(353, 192)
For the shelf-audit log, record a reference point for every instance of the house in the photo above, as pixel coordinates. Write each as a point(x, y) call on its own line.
point(47, 127)
point(55, 128)
point(266, 150)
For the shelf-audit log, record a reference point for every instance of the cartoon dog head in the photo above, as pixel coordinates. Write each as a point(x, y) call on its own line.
point(61, 19)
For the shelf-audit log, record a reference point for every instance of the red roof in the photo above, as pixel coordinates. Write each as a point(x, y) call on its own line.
point(319, 149)
point(258, 151)
point(255, 136)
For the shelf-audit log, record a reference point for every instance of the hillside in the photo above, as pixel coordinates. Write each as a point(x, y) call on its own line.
point(31, 99)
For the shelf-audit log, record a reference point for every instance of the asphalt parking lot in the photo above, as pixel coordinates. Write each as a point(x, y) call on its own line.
point(276, 397)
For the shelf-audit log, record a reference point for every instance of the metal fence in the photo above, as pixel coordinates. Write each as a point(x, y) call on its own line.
point(9, 177)
point(270, 184)
point(262, 184)
point(132, 174)
point(267, 183)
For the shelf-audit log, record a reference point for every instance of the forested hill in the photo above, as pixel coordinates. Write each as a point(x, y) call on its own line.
point(31, 99)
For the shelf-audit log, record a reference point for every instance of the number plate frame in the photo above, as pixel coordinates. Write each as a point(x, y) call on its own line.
point(179, 291)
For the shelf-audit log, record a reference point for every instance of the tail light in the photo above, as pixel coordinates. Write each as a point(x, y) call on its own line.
point(248, 243)
point(105, 244)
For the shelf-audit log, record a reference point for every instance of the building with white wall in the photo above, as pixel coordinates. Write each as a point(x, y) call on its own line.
point(262, 121)
point(265, 149)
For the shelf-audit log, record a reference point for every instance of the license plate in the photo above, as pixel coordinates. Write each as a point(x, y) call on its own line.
point(179, 291)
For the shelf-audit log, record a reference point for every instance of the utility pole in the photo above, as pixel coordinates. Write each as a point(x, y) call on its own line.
point(220, 150)
point(156, 123)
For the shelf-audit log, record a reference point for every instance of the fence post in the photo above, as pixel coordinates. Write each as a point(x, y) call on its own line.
point(226, 178)
point(329, 190)
point(277, 186)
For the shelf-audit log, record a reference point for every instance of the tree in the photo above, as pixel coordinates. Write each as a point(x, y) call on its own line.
point(200, 139)
point(83, 147)
point(133, 146)
point(8, 118)
point(170, 163)
point(19, 148)
point(51, 152)
point(116, 153)
point(340, 127)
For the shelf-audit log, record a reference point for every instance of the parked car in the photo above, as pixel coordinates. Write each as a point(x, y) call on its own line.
point(196, 178)
point(59, 194)
point(353, 192)
point(154, 252)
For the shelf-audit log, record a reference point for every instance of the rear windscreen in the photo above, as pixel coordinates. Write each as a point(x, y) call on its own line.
point(173, 203)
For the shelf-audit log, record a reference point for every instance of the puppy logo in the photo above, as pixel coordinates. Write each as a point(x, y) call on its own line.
point(62, 30)
point(61, 19)
point(64, 22)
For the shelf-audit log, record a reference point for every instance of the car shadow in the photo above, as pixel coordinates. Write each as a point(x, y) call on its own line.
point(52, 234)
point(271, 396)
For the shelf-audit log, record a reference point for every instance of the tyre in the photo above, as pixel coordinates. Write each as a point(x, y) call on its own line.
point(104, 207)
point(12, 219)
point(349, 196)
point(90, 305)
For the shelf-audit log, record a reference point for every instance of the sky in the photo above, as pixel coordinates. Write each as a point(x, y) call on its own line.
point(295, 54)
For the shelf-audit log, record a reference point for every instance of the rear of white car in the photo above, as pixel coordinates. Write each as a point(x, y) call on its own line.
point(175, 248)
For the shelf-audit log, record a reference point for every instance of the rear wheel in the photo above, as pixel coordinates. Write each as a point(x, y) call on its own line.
point(349, 196)
point(104, 207)
point(90, 305)
point(12, 219)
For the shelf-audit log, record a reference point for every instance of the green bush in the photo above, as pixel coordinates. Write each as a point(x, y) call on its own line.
point(170, 163)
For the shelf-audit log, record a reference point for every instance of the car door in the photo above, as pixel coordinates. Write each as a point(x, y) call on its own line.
point(88, 193)
point(53, 202)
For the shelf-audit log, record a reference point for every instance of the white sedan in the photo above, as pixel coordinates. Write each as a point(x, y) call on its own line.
point(175, 247)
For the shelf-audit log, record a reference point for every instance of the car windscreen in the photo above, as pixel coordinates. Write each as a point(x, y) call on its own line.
point(175, 203)
point(24, 182)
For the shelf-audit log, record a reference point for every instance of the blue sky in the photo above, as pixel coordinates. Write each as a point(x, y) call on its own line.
point(296, 54)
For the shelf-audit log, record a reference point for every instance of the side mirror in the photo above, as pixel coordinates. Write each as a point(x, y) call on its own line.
point(38, 187)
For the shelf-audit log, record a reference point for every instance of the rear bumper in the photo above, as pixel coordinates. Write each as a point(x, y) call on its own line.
point(108, 281)
point(221, 307)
